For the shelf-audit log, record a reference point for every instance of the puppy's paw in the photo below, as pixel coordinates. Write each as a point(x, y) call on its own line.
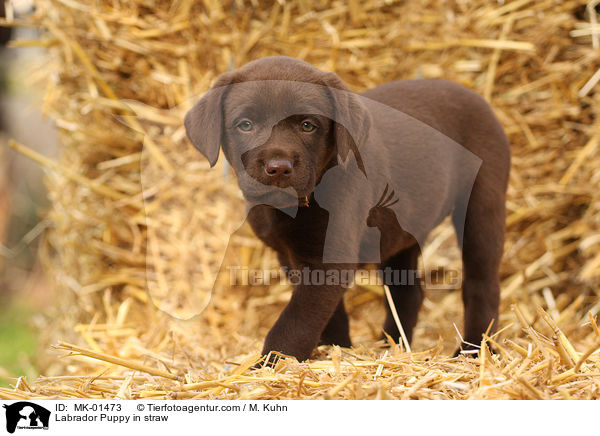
point(340, 340)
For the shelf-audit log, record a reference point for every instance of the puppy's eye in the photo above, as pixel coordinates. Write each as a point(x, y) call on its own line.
point(245, 126)
point(307, 126)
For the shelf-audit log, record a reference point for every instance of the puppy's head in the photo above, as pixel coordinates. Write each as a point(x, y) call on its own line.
point(282, 123)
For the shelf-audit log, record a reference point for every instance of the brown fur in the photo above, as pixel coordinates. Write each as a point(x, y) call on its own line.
point(277, 103)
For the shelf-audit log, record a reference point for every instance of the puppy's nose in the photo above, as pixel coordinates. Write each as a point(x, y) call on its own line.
point(279, 168)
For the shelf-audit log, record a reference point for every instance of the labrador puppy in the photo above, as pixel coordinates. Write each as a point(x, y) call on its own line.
point(335, 180)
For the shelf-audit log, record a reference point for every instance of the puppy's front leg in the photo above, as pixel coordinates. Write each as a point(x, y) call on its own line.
point(298, 329)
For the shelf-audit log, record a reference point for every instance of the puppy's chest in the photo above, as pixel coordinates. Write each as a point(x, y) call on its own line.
point(301, 236)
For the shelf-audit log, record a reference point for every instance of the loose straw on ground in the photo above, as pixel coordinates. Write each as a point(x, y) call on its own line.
point(392, 306)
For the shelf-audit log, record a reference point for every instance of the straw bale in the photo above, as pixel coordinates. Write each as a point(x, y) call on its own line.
point(537, 62)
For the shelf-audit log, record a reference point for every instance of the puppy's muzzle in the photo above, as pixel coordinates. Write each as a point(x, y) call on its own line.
point(279, 170)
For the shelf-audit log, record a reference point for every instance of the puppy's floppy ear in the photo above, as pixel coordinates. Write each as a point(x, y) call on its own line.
point(204, 121)
point(352, 120)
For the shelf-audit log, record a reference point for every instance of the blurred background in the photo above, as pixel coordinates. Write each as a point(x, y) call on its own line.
point(22, 197)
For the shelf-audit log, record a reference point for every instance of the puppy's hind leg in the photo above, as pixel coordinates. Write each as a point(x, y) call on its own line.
point(482, 236)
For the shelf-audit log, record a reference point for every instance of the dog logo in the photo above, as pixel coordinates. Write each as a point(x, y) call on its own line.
point(26, 415)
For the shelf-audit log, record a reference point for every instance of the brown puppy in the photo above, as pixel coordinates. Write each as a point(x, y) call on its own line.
point(335, 179)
